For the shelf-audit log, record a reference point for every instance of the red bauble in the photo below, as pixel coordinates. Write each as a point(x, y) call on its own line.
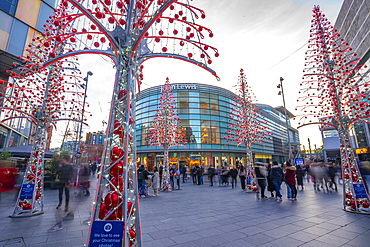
point(112, 199)
point(365, 204)
point(118, 182)
point(38, 196)
point(254, 188)
point(346, 176)
point(354, 177)
point(254, 183)
point(122, 93)
point(117, 169)
point(27, 207)
point(129, 208)
point(33, 169)
point(31, 177)
point(103, 211)
point(348, 195)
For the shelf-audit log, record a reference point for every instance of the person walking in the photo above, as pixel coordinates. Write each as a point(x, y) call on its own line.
point(160, 176)
point(211, 174)
point(299, 173)
point(65, 173)
point(277, 176)
point(177, 177)
point(261, 173)
point(290, 180)
point(194, 174)
point(155, 181)
point(199, 175)
point(271, 186)
point(233, 173)
point(142, 175)
point(331, 174)
point(242, 176)
point(93, 168)
point(183, 171)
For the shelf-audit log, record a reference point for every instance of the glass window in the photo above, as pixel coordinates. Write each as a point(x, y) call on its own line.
point(183, 94)
point(30, 35)
point(3, 136)
point(194, 116)
point(14, 140)
point(52, 3)
point(8, 6)
point(194, 110)
point(194, 94)
point(213, 96)
point(6, 22)
point(193, 99)
point(28, 11)
point(45, 12)
point(17, 38)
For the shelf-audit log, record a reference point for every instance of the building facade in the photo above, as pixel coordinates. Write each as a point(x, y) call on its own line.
point(204, 112)
point(20, 22)
point(352, 23)
point(93, 147)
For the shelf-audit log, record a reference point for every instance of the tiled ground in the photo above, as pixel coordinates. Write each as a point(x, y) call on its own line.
point(204, 216)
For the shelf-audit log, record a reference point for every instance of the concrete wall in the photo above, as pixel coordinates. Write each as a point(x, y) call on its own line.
point(353, 24)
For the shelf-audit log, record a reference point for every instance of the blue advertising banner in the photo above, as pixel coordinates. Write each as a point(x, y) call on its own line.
point(299, 161)
point(249, 180)
point(27, 191)
point(106, 234)
point(359, 190)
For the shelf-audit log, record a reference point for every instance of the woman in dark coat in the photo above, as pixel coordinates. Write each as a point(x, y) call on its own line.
point(271, 186)
point(299, 175)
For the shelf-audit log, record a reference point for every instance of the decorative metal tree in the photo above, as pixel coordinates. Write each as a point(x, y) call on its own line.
point(336, 93)
point(247, 125)
point(42, 94)
point(166, 132)
point(129, 32)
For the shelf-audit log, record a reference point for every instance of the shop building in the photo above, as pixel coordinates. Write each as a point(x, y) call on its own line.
point(204, 112)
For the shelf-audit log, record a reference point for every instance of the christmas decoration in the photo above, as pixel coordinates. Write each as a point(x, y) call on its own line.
point(128, 32)
point(42, 92)
point(335, 93)
point(247, 126)
point(165, 131)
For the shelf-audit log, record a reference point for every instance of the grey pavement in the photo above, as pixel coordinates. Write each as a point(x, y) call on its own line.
point(203, 216)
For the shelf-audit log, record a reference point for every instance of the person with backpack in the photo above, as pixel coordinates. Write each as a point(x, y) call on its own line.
point(211, 174)
point(142, 175)
point(183, 171)
point(277, 176)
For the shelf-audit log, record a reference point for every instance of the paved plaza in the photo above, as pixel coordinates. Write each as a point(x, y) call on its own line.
point(203, 216)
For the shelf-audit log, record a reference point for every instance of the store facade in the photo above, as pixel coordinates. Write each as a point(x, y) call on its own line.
point(204, 113)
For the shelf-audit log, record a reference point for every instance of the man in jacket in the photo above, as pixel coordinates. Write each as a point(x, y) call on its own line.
point(277, 176)
point(233, 173)
point(183, 171)
point(142, 175)
point(65, 173)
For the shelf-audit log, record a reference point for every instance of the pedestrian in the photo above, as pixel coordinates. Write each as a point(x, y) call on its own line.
point(85, 183)
point(277, 176)
point(211, 174)
point(299, 173)
point(288, 190)
point(233, 174)
point(177, 177)
point(290, 180)
point(199, 175)
point(93, 168)
point(194, 174)
point(155, 181)
point(261, 173)
point(242, 176)
point(160, 176)
point(172, 174)
point(142, 175)
point(148, 184)
point(271, 186)
point(183, 171)
point(65, 173)
point(331, 173)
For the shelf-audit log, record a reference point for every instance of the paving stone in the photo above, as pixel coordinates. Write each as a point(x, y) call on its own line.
point(333, 240)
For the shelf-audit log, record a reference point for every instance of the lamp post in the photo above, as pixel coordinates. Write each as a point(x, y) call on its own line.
point(280, 85)
point(77, 155)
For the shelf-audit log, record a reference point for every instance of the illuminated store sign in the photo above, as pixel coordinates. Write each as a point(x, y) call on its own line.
point(182, 86)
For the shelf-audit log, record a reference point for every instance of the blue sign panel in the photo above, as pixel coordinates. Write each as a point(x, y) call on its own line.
point(248, 180)
point(359, 191)
point(27, 191)
point(106, 234)
point(299, 161)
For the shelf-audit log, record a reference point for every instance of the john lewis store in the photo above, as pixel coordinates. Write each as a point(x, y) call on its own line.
point(204, 113)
